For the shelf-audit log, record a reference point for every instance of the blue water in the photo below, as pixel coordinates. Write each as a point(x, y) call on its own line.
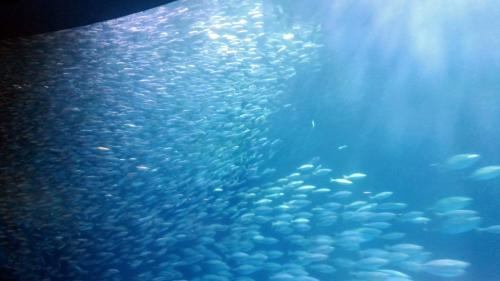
point(132, 149)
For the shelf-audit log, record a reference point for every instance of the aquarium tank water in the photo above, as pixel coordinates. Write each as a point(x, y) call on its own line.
point(255, 140)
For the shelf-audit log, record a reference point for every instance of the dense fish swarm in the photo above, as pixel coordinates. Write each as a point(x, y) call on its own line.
point(120, 131)
point(134, 144)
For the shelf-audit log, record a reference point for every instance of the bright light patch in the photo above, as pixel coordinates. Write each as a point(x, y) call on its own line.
point(213, 36)
point(230, 37)
point(288, 36)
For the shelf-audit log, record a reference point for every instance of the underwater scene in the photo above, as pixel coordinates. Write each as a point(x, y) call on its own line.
point(241, 140)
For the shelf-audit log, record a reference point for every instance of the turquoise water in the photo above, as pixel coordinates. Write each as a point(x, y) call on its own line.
point(255, 140)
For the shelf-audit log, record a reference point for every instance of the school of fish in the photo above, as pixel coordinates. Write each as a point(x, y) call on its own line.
point(150, 161)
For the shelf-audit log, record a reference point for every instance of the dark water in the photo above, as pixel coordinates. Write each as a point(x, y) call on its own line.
point(160, 146)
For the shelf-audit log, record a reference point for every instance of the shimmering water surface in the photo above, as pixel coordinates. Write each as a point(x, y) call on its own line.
point(255, 140)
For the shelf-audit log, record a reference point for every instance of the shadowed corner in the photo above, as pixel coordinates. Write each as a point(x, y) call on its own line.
point(7, 274)
point(20, 18)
